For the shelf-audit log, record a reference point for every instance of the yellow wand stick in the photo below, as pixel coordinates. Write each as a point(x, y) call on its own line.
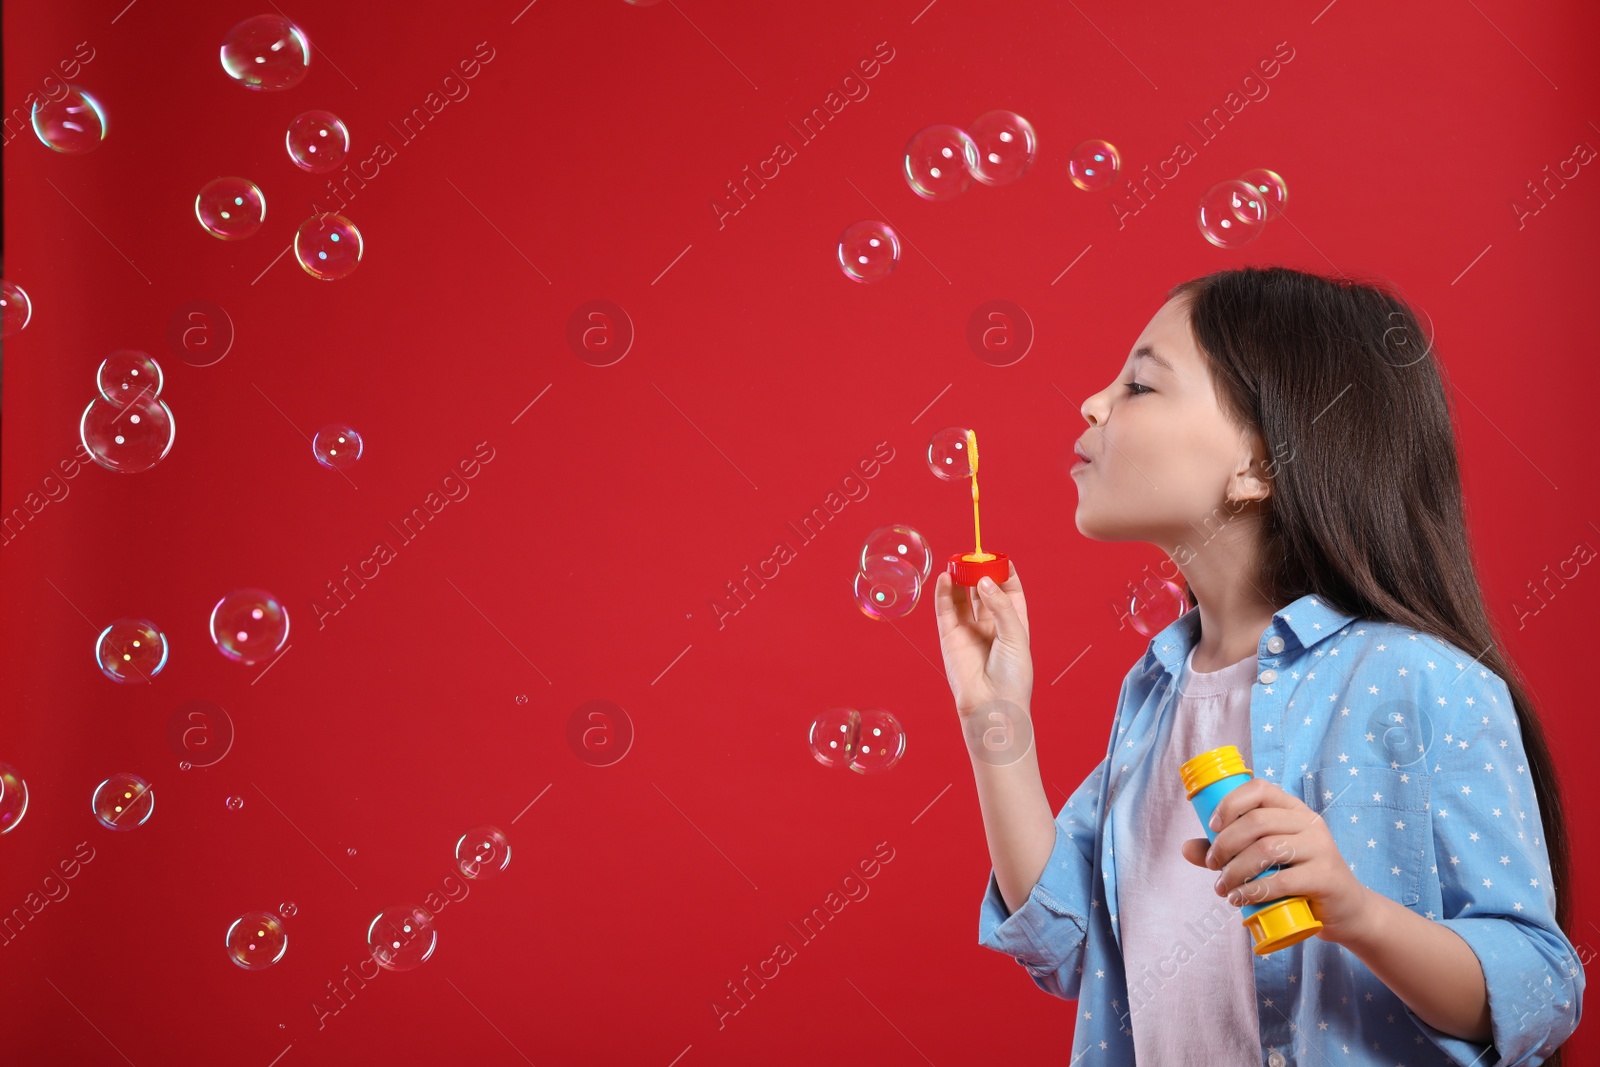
point(978, 554)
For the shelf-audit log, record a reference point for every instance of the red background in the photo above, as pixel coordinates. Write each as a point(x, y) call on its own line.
point(583, 564)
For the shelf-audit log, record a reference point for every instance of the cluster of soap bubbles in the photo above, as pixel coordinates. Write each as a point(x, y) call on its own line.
point(268, 53)
point(864, 741)
point(403, 938)
point(895, 563)
point(247, 626)
point(942, 161)
point(127, 427)
point(1233, 213)
point(400, 938)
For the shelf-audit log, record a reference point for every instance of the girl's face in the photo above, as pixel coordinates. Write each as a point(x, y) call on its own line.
point(1164, 459)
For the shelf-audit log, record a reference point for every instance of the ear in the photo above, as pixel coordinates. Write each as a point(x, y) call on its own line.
point(1252, 476)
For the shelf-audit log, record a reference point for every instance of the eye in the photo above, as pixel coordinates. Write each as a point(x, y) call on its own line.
point(1137, 389)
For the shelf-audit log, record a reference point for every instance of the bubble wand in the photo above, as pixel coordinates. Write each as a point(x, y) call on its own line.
point(966, 568)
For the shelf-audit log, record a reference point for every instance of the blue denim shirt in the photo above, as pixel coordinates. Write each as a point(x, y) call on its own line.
point(1411, 753)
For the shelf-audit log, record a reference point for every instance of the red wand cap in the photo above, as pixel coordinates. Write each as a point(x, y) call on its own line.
point(966, 567)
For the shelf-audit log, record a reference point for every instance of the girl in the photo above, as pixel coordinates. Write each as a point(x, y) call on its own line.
point(1286, 440)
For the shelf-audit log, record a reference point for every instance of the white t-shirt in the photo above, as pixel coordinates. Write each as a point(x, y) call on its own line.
point(1189, 961)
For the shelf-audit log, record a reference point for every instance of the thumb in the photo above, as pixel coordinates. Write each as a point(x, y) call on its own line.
point(1008, 625)
point(1195, 849)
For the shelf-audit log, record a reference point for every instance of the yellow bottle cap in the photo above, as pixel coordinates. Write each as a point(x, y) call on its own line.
point(1211, 766)
point(1282, 924)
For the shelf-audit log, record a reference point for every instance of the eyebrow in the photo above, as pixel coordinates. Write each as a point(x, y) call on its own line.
point(1146, 352)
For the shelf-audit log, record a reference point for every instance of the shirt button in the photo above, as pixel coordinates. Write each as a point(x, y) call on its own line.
point(1275, 1060)
point(1268, 677)
point(1274, 644)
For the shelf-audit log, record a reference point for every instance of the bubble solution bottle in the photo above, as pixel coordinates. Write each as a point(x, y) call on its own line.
point(1273, 924)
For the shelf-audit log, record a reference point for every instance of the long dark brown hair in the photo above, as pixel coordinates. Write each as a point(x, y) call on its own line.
point(1316, 364)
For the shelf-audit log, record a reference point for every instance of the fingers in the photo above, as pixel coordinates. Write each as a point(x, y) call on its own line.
point(1008, 625)
point(1194, 850)
point(1258, 792)
point(1241, 872)
point(1234, 838)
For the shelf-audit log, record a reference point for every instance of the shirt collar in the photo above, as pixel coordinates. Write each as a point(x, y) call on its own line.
point(1306, 621)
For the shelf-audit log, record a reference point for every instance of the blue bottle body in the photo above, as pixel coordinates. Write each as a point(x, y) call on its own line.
point(1205, 805)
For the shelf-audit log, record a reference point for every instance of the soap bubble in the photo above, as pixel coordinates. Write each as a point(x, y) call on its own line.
point(482, 852)
point(126, 373)
point(1156, 606)
point(336, 446)
point(948, 455)
point(234, 803)
point(317, 141)
point(287, 909)
point(131, 651)
point(402, 938)
point(940, 161)
point(256, 940)
point(74, 124)
point(123, 801)
point(901, 541)
point(887, 587)
point(266, 53)
point(864, 741)
point(16, 309)
point(13, 798)
point(328, 246)
point(1270, 184)
point(230, 208)
point(869, 251)
point(1006, 146)
point(1232, 213)
point(249, 625)
point(127, 437)
point(1093, 165)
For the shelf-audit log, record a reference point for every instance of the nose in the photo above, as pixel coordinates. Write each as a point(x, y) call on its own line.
point(1093, 410)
